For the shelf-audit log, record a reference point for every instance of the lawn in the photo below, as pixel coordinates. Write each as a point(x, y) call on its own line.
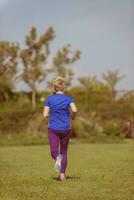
point(95, 172)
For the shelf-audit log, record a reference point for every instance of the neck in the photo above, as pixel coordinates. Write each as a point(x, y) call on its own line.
point(60, 92)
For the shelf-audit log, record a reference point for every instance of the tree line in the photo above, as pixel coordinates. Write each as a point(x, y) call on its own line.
point(30, 65)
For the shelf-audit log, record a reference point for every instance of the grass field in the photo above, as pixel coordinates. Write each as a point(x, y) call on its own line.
point(95, 172)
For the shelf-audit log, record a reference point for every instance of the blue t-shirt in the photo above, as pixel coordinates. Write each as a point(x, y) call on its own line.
point(59, 105)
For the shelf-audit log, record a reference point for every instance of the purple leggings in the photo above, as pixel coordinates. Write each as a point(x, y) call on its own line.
point(55, 138)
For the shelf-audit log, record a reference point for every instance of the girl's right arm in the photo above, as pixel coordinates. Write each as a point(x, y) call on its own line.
point(73, 110)
point(46, 111)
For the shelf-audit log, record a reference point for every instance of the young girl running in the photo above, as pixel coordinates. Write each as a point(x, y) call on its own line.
point(58, 107)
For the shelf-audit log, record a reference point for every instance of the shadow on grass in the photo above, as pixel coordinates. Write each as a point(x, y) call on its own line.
point(67, 177)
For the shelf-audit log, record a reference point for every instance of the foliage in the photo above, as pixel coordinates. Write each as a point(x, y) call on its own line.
point(64, 58)
point(112, 128)
point(112, 77)
point(91, 83)
point(87, 127)
point(8, 68)
point(99, 118)
point(34, 57)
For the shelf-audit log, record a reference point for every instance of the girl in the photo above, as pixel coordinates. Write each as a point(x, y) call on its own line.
point(58, 107)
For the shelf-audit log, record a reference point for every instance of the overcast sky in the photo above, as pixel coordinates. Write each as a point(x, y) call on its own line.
point(102, 29)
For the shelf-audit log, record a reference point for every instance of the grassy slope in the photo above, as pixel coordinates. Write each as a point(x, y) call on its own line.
point(95, 172)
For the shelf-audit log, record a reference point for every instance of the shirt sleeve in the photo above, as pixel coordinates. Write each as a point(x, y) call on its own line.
point(71, 100)
point(46, 102)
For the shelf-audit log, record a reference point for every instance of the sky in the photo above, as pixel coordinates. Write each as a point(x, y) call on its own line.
point(103, 30)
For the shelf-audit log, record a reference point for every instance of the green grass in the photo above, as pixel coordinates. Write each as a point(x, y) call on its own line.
point(95, 172)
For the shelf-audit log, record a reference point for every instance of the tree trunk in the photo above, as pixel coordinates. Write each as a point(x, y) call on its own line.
point(34, 98)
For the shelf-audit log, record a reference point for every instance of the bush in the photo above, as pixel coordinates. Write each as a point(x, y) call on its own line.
point(87, 128)
point(113, 128)
point(99, 118)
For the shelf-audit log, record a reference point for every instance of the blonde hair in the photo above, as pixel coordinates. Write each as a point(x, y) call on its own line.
point(59, 84)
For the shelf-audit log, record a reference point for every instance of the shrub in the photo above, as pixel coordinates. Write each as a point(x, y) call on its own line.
point(112, 128)
point(86, 128)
